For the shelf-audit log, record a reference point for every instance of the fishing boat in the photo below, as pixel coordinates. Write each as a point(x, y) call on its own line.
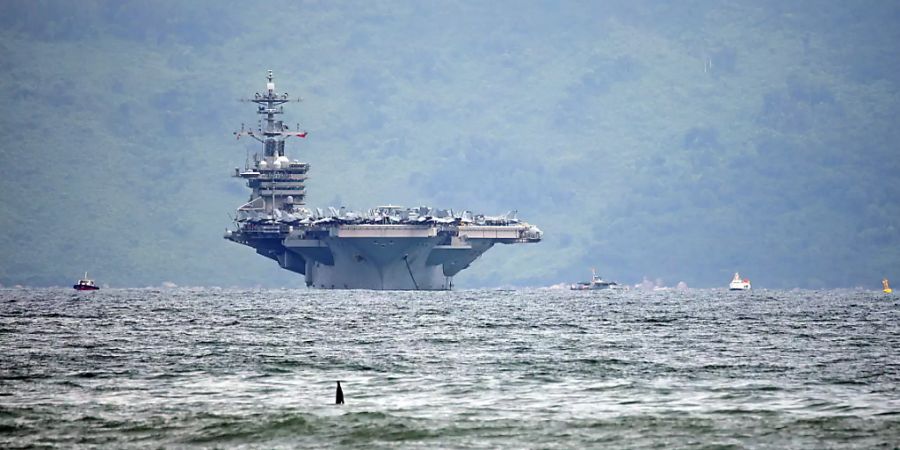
point(596, 283)
point(738, 284)
point(886, 286)
point(85, 284)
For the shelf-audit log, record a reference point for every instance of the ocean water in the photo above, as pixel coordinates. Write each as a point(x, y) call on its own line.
point(214, 368)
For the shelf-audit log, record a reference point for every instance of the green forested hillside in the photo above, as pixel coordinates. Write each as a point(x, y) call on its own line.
point(673, 140)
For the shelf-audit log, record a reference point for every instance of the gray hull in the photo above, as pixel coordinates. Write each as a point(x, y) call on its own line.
point(399, 258)
point(398, 264)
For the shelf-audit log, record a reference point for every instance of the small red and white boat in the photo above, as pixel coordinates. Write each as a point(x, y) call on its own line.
point(737, 284)
point(85, 284)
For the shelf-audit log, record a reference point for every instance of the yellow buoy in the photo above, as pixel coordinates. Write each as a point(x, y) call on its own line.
point(887, 286)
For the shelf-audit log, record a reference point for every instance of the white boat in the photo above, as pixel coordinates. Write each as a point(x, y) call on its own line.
point(596, 283)
point(738, 284)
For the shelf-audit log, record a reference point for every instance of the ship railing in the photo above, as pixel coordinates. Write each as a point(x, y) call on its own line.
point(283, 193)
point(280, 184)
point(283, 177)
point(264, 228)
point(383, 226)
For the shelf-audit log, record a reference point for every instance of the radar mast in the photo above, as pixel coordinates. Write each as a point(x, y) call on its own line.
point(277, 182)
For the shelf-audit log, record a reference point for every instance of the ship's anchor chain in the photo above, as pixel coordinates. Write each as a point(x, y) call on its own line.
point(406, 260)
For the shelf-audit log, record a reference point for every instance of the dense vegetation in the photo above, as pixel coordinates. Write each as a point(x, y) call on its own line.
point(673, 140)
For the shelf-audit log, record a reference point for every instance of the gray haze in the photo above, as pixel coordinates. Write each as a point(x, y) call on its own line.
point(680, 141)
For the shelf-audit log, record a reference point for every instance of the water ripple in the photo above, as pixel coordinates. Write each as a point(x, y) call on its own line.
point(467, 369)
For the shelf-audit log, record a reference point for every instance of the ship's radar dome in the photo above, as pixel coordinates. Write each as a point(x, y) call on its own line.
point(282, 161)
point(263, 165)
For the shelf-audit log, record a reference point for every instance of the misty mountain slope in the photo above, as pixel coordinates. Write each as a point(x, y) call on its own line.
point(681, 142)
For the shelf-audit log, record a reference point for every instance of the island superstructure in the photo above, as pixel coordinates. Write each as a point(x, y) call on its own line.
point(387, 247)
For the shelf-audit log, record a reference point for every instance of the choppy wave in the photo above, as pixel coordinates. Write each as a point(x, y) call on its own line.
point(468, 369)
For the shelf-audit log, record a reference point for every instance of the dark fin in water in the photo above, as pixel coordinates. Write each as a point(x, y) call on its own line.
point(339, 395)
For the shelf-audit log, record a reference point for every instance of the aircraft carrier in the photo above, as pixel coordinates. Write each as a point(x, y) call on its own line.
point(388, 247)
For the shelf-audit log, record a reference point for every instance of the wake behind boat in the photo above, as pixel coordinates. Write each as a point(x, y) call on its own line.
point(738, 284)
point(596, 283)
point(86, 284)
